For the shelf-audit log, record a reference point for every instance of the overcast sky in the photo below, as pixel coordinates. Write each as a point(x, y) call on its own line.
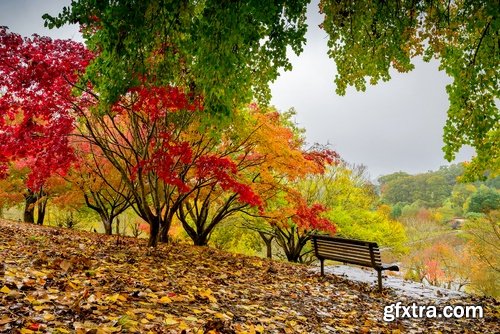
point(394, 126)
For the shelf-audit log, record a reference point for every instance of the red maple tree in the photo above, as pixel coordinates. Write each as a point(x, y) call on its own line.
point(36, 102)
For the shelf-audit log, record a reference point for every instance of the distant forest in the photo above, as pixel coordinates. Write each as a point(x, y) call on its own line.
point(440, 190)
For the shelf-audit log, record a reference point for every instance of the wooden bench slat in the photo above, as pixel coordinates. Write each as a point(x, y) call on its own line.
point(359, 263)
point(335, 248)
point(337, 244)
point(346, 241)
point(346, 248)
point(337, 256)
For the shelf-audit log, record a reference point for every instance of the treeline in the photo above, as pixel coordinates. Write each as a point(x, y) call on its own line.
point(439, 190)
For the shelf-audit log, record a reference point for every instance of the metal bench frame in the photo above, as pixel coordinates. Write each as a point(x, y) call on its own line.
point(362, 253)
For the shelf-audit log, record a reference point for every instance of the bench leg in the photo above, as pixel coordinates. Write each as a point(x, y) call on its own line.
point(379, 274)
point(322, 261)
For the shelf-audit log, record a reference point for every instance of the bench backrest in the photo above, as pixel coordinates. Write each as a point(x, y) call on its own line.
point(358, 252)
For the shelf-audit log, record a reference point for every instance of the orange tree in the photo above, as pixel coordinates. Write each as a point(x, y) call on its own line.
point(103, 189)
point(288, 216)
point(263, 152)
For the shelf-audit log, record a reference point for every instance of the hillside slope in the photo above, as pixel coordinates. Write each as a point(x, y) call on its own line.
point(61, 281)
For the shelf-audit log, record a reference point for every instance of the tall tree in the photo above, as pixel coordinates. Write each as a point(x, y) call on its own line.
point(144, 139)
point(229, 50)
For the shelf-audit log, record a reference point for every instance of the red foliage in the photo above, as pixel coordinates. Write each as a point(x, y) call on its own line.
point(168, 161)
point(224, 171)
point(309, 217)
point(38, 74)
point(434, 273)
point(157, 102)
point(322, 157)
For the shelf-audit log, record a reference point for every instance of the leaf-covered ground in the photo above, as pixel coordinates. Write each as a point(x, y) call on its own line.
point(61, 281)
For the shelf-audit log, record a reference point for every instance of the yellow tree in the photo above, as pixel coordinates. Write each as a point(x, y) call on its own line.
point(353, 206)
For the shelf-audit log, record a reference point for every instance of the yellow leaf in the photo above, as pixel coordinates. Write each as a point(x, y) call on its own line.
point(31, 299)
point(208, 294)
point(5, 289)
point(150, 316)
point(39, 273)
point(26, 331)
point(183, 326)
point(48, 317)
point(170, 321)
point(39, 308)
point(113, 298)
point(144, 321)
point(122, 298)
point(164, 300)
point(110, 329)
point(190, 318)
point(61, 330)
point(222, 316)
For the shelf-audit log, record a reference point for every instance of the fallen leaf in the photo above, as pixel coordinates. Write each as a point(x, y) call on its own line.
point(65, 265)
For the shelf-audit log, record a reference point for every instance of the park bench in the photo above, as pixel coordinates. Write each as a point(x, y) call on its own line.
point(362, 253)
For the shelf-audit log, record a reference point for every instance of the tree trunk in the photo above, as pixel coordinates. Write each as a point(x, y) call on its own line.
point(117, 226)
point(29, 207)
point(154, 233)
point(269, 244)
point(108, 225)
point(165, 227)
point(42, 206)
point(201, 239)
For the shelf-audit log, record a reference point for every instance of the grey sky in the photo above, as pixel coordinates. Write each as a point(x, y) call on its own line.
point(396, 125)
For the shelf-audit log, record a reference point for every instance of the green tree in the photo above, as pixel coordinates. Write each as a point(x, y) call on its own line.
point(227, 51)
point(398, 190)
point(369, 38)
point(484, 200)
point(230, 51)
point(461, 192)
